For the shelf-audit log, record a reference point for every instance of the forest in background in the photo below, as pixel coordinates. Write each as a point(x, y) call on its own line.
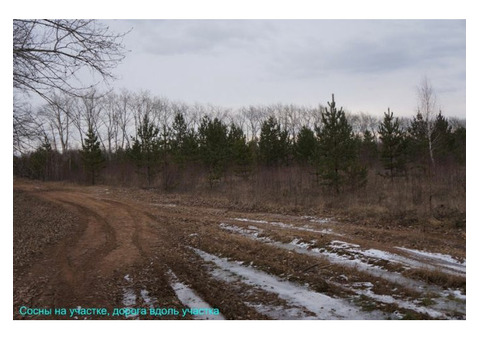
point(296, 158)
point(278, 157)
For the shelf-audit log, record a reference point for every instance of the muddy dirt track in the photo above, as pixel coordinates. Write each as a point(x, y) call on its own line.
point(139, 250)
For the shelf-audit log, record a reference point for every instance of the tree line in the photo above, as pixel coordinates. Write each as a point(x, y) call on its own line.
point(156, 140)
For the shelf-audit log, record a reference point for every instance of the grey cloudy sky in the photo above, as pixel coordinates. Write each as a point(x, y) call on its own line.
point(370, 65)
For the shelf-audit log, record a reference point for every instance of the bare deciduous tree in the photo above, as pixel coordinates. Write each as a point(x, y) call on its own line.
point(57, 115)
point(427, 105)
point(109, 120)
point(254, 115)
point(124, 117)
point(26, 130)
point(48, 55)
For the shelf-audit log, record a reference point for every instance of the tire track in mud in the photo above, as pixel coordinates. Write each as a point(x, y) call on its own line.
point(68, 269)
point(128, 246)
point(86, 253)
point(248, 300)
point(84, 270)
point(169, 254)
point(274, 302)
point(149, 283)
point(444, 304)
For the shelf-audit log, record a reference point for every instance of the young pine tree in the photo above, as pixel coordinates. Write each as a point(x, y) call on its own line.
point(40, 160)
point(368, 148)
point(306, 146)
point(442, 138)
point(146, 149)
point(393, 145)
point(418, 139)
point(274, 144)
point(338, 150)
point(459, 145)
point(213, 147)
point(184, 141)
point(92, 156)
point(240, 155)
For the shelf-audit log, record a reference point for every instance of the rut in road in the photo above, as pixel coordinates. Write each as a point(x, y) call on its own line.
point(126, 247)
point(87, 269)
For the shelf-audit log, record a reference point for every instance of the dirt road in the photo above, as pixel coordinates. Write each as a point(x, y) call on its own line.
point(141, 251)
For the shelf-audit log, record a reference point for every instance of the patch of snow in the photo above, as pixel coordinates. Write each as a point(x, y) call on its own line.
point(320, 220)
point(436, 262)
point(363, 285)
point(397, 314)
point(323, 306)
point(251, 221)
point(224, 276)
point(190, 299)
point(328, 232)
point(437, 256)
point(362, 266)
point(354, 257)
point(232, 228)
point(250, 232)
point(440, 309)
point(283, 225)
point(335, 244)
point(457, 294)
point(148, 300)
point(129, 297)
point(297, 243)
point(333, 257)
point(438, 259)
point(401, 303)
point(290, 226)
point(305, 228)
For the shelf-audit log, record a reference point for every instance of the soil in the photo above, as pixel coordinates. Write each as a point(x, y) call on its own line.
point(78, 246)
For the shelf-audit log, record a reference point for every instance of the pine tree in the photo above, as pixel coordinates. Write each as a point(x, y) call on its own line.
point(306, 146)
point(442, 138)
point(338, 150)
point(274, 144)
point(213, 147)
point(40, 160)
point(425, 147)
point(393, 145)
point(369, 148)
point(92, 156)
point(165, 156)
point(146, 149)
point(418, 141)
point(184, 143)
point(240, 155)
point(459, 145)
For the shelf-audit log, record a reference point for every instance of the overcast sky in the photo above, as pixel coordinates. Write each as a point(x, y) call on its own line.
point(370, 65)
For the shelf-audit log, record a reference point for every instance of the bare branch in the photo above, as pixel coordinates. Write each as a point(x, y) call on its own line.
point(48, 55)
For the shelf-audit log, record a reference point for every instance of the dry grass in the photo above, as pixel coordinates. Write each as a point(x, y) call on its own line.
point(438, 278)
point(412, 201)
